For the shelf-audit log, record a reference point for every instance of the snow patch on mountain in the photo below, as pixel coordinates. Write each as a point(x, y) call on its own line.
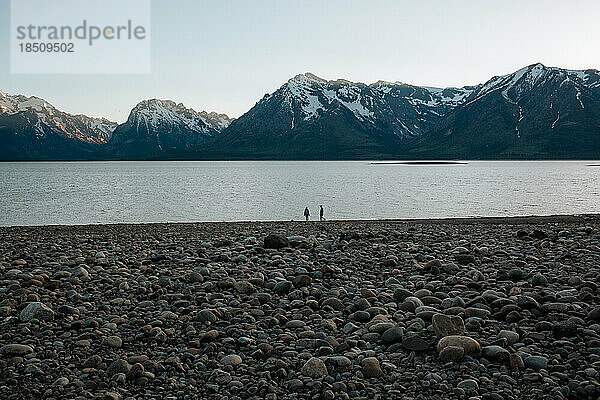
point(513, 85)
point(555, 121)
point(367, 102)
point(350, 97)
point(443, 97)
point(13, 104)
point(308, 90)
point(578, 95)
point(302, 88)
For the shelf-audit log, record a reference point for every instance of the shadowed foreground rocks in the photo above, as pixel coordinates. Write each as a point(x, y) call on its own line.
point(465, 309)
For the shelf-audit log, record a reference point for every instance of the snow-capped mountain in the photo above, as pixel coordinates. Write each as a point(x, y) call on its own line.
point(80, 127)
point(399, 108)
point(155, 126)
point(537, 111)
point(310, 117)
point(33, 129)
point(155, 115)
point(514, 85)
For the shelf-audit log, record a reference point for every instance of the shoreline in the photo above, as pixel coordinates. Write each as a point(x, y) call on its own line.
point(420, 163)
point(513, 220)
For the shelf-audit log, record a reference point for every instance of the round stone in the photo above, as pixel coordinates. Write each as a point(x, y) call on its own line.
point(539, 280)
point(411, 303)
point(510, 336)
point(515, 274)
point(594, 314)
point(282, 287)
point(231, 359)
point(392, 335)
point(452, 353)
point(210, 336)
point(362, 316)
point(371, 368)
point(136, 371)
point(275, 241)
point(92, 362)
point(469, 345)
point(477, 312)
point(196, 277)
point(118, 366)
point(222, 377)
point(536, 362)
point(244, 287)
point(468, 385)
point(37, 310)
point(495, 353)
point(302, 280)
point(447, 325)
point(314, 368)
point(400, 294)
point(15, 349)
point(334, 303)
point(340, 363)
point(62, 381)
point(516, 362)
point(206, 316)
point(114, 342)
point(295, 324)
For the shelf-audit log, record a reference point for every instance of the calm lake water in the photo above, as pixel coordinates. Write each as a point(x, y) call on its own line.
point(114, 192)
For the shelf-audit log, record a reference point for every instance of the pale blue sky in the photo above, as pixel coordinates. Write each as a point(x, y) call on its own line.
point(225, 55)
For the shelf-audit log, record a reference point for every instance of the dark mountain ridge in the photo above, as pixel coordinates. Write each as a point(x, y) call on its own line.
point(536, 112)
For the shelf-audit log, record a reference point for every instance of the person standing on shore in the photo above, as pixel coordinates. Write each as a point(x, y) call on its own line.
point(321, 213)
point(306, 213)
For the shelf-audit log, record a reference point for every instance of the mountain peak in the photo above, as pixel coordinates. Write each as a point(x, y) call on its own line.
point(155, 113)
point(537, 65)
point(307, 77)
point(162, 106)
point(16, 103)
point(152, 103)
point(387, 83)
point(81, 127)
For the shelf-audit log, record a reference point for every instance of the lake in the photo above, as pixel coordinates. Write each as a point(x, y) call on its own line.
point(41, 193)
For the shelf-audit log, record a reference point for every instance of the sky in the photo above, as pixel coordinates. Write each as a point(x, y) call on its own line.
point(224, 55)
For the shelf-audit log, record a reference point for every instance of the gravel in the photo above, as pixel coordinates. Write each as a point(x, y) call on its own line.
point(467, 309)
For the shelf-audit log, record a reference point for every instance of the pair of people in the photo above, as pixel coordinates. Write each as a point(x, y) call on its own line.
point(307, 213)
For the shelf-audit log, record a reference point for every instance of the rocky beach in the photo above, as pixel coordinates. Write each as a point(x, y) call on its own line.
point(492, 308)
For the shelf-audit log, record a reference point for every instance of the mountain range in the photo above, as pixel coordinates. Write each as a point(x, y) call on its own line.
point(537, 112)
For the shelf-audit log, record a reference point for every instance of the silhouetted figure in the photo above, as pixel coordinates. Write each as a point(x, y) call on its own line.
point(321, 213)
point(306, 213)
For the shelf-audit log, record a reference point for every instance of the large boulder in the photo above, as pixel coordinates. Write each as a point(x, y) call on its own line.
point(371, 368)
point(447, 325)
point(15, 349)
point(469, 345)
point(495, 353)
point(452, 353)
point(314, 368)
point(275, 241)
point(536, 362)
point(37, 310)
